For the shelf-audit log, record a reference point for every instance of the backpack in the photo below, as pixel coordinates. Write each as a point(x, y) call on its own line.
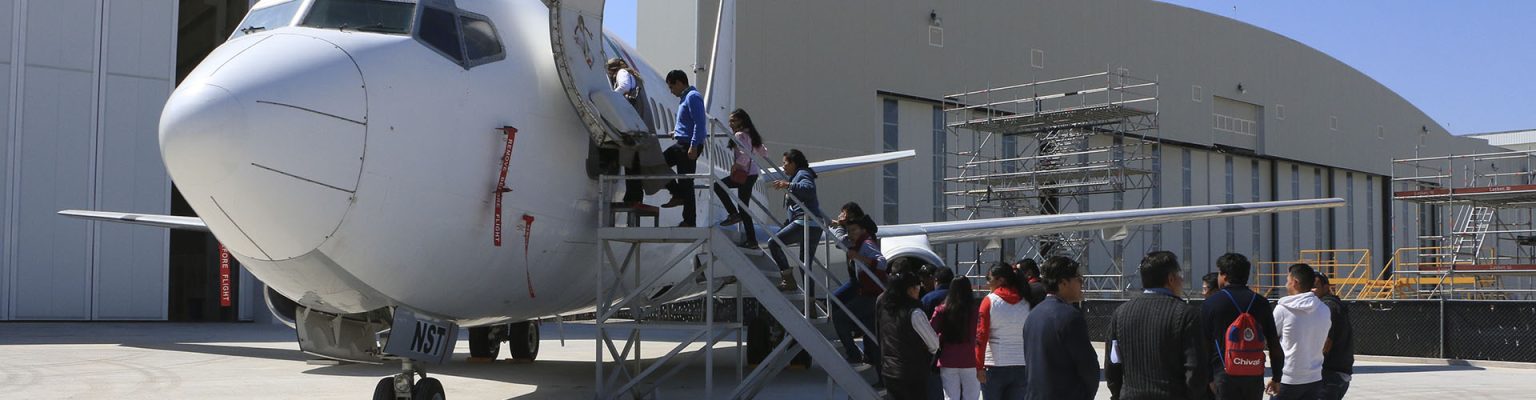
point(1245, 343)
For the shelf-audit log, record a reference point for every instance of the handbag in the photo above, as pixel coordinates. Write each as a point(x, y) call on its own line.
point(738, 175)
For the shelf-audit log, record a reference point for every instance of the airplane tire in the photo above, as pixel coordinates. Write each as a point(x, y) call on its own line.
point(523, 340)
point(482, 344)
point(428, 389)
point(385, 390)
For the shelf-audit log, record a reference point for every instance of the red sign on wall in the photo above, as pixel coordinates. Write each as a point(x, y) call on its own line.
point(224, 289)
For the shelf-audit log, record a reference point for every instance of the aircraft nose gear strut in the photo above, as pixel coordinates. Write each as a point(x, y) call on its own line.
point(405, 386)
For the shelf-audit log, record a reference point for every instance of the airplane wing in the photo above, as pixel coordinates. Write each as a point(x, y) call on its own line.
point(163, 221)
point(1110, 221)
point(855, 163)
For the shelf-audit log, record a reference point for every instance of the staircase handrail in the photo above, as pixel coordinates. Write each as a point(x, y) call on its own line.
point(722, 160)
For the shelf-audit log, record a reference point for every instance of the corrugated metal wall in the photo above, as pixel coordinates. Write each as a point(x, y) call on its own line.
point(85, 80)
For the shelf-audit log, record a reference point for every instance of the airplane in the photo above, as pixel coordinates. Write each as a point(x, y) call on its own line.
point(359, 156)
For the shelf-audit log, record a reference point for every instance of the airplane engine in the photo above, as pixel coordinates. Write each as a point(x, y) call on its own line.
point(284, 309)
point(916, 247)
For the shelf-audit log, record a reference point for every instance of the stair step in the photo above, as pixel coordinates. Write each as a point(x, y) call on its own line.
point(809, 334)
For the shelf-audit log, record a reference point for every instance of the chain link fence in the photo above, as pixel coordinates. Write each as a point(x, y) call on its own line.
point(1468, 330)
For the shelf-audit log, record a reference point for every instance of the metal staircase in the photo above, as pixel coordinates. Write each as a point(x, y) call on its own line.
point(715, 265)
point(748, 273)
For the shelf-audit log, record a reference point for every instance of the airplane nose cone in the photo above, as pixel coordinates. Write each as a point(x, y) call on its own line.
point(196, 120)
point(266, 143)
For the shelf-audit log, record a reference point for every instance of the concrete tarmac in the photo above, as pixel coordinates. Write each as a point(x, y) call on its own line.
point(255, 361)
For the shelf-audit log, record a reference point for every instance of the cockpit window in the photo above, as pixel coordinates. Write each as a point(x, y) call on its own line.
point(440, 30)
point(466, 38)
point(379, 16)
point(267, 18)
point(480, 40)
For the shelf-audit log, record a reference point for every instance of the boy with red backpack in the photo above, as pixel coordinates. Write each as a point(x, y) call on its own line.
point(1239, 325)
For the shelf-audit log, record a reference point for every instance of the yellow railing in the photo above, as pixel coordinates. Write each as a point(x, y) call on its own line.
point(1349, 271)
point(1415, 272)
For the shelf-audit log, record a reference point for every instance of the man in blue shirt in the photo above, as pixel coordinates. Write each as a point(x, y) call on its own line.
point(689, 131)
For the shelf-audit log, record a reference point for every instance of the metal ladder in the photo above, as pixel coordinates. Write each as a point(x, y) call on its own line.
point(1466, 243)
point(1468, 240)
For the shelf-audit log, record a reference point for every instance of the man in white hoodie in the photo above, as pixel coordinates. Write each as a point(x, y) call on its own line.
point(1303, 321)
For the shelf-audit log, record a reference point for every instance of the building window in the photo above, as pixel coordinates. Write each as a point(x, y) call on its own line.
point(1010, 151)
point(1370, 213)
point(1188, 194)
point(1254, 182)
point(1037, 58)
point(1157, 194)
point(1196, 93)
point(1231, 198)
point(1295, 216)
point(1279, 111)
point(1317, 193)
point(1119, 252)
point(1349, 208)
point(1333, 122)
point(940, 148)
point(892, 190)
point(1234, 125)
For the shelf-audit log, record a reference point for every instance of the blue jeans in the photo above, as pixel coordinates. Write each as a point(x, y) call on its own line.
point(1305, 391)
point(863, 308)
point(1005, 383)
point(791, 234)
point(1334, 385)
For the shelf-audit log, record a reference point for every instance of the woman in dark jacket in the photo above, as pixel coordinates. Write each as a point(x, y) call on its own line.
point(802, 185)
point(906, 338)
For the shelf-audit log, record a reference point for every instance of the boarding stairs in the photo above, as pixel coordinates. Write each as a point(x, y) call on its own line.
point(720, 266)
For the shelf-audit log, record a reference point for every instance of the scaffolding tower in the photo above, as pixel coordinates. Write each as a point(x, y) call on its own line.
point(1046, 147)
point(1469, 207)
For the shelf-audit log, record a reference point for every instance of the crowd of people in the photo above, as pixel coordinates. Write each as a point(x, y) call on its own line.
point(1027, 337)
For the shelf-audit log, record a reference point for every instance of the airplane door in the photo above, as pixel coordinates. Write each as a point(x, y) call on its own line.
point(576, 34)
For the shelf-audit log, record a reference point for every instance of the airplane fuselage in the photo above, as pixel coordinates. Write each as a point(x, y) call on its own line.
point(353, 170)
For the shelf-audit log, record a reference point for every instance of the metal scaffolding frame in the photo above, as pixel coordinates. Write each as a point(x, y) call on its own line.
point(1468, 202)
point(1044, 147)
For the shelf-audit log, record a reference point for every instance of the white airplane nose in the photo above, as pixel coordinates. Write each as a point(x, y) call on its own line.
point(267, 143)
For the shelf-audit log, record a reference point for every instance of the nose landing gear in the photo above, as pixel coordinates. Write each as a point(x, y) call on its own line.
point(405, 386)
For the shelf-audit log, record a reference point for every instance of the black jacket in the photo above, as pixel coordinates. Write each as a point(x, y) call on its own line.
point(1218, 312)
point(1340, 358)
point(905, 356)
point(1161, 350)
point(1062, 364)
point(1036, 293)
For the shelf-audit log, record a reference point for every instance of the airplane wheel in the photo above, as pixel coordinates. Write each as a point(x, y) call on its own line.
point(385, 390)
point(428, 389)
point(482, 344)
point(523, 340)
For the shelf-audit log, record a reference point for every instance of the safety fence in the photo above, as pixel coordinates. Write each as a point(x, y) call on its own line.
point(1453, 329)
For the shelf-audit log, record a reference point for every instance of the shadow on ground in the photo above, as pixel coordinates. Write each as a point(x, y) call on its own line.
point(1398, 369)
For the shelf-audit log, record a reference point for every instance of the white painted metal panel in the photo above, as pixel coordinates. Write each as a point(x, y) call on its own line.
point(52, 277)
point(130, 262)
point(52, 269)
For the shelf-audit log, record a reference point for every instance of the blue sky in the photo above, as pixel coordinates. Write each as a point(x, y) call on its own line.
point(1471, 65)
